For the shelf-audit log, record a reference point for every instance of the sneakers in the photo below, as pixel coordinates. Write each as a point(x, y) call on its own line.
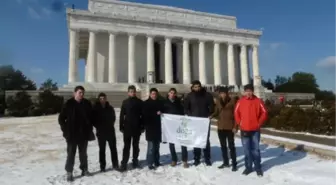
point(247, 171)
point(123, 167)
point(157, 164)
point(173, 164)
point(135, 165)
point(185, 165)
point(260, 173)
point(70, 177)
point(86, 173)
point(234, 168)
point(223, 166)
point(208, 163)
point(196, 163)
point(151, 167)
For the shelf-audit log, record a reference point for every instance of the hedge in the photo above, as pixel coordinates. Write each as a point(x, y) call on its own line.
point(316, 120)
point(21, 104)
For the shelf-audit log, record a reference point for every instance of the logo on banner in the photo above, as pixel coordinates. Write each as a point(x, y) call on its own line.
point(183, 131)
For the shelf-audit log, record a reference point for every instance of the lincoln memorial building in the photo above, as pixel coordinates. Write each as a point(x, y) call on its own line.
point(133, 43)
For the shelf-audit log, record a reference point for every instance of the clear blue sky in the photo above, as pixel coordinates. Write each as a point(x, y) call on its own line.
point(299, 35)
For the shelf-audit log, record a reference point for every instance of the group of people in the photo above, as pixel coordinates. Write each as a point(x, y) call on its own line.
point(78, 117)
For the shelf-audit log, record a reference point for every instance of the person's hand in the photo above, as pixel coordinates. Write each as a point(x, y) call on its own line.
point(122, 130)
point(142, 130)
point(158, 112)
point(234, 130)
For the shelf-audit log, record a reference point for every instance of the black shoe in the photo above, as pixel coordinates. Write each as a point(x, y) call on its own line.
point(260, 173)
point(123, 168)
point(247, 171)
point(196, 163)
point(102, 170)
point(157, 164)
point(208, 163)
point(86, 173)
point(151, 167)
point(115, 167)
point(135, 165)
point(223, 166)
point(70, 177)
point(234, 168)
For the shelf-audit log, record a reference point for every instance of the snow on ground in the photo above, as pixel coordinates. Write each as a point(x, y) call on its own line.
point(33, 152)
point(302, 133)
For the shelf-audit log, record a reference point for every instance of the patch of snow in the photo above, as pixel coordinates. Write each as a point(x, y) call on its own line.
point(303, 133)
point(33, 152)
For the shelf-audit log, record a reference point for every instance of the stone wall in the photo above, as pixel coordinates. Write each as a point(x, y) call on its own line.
point(115, 98)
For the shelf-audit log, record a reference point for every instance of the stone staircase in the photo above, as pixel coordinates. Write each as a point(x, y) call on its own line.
point(100, 87)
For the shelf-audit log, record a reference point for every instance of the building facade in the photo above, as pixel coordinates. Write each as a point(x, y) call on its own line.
point(124, 42)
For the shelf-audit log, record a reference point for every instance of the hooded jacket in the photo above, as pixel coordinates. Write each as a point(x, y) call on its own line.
point(250, 113)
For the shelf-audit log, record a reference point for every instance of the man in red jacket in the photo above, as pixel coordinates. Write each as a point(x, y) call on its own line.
point(250, 114)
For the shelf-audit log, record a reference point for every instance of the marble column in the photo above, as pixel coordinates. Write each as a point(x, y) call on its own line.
point(244, 65)
point(255, 66)
point(73, 52)
point(186, 63)
point(112, 69)
point(201, 64)
point(86, 71)
point(217, 64)
point(150, 55)
point(168, 61)
point(131, 59)
point(92, 57)
point(231, 65)
point(179, 62)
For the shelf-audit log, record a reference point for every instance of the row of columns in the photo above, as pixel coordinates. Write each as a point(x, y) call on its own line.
point(186, 67)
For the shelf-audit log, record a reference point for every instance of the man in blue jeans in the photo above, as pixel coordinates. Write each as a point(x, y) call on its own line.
point(250, 114)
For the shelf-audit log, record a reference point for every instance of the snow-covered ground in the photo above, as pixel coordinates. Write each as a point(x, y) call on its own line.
point(302, 133)
point(32, 151)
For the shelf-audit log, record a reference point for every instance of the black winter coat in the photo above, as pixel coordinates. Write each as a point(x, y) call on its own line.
point(199, 104)
point(130, 120)
point(173, 107)
point(104, 119)
point(152, 120)
point(75, 120)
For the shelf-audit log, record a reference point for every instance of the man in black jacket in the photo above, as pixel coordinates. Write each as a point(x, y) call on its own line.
point(152, 109)
point(199, 103)
point(104, 118)
point(75, 120)
point(131, 125)
point(173, 105)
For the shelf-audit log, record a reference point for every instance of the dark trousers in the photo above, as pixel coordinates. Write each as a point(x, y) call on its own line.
point(128, 140)
point(227, 136)
point(113, 149)
point(71, 153)
point(206, 151)
point(173, 153)
point(153, 152)
point(251, 150)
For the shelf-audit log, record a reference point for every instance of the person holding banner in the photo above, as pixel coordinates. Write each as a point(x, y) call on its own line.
point(250, 114)
point(200, 103)
point(226, 127)
point(152, 109)
point(173, 105)
point(131, 125)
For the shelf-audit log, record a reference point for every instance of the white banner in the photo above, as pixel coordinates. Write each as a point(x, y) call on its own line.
point(185, 130)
